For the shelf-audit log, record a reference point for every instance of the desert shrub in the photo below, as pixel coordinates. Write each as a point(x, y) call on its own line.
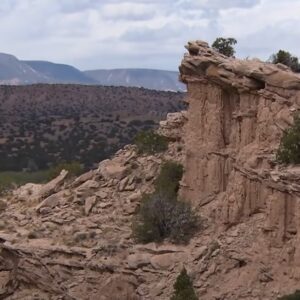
point(295, 296)
point(74, 169)
point(289, 148)
point(150, 142)
point(167, 182)
point(161, 215)
point(225, 45)
point(286, 58)
point(183, 287)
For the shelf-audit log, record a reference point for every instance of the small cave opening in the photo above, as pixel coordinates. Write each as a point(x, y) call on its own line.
point(260, 84)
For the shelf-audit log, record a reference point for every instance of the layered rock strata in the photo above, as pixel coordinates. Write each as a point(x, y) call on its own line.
point(72, 239)
point(238, 110)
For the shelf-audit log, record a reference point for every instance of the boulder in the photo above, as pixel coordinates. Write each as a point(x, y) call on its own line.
point(83, 178)
point(112, 169)
point(167, 261)
point(89, 204)
point(87, 186)
point(52, 186)
point(138, 260)
point(51, 201)
point(27, 191)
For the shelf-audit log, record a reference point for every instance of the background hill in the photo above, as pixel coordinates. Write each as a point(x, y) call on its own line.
point(45, 124)
point(60, 73)
point(14, 71)
point(151, 79)
point(17, 72)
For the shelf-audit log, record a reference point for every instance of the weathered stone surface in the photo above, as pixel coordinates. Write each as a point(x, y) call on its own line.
point(83, 178)
point(53, 185)
point(231, 136)
point(87, 186)
point(89, 204)
point(51, 201)
point(249, 206)
point(112, 169)
point(136, 261)
point(27, 191)
point(166, 261)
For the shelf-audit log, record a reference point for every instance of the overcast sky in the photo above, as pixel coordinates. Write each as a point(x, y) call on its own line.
point(91, 34)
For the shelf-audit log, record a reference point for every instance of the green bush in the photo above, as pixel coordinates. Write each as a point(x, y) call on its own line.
point(161, 215)
point(150, 142)
point(225, 45)
point(286, 58)
point(74, 169)
point(167, 182)
point(295, 296)
point(289, 149)
point(183, 287)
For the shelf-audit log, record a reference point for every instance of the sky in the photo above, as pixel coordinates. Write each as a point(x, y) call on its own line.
point(93, 34)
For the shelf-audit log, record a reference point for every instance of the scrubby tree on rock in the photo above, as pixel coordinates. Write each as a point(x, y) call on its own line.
point(286, 58)
point(183, 287)
point(225, 46)
point(289, 148)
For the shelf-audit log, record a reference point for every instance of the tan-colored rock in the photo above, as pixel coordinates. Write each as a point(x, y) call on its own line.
point(27, 192)
point(53, 185)
point(104, 205)
point(89, 204)
point(167, 261)
point(101, 194)
point(172, 126)
point(248, 244)
point(51, 201)
point(87, 186)
point(135, 196)
point(3, 205)
point(112, 169)
point(136, 261)
point(83, 178)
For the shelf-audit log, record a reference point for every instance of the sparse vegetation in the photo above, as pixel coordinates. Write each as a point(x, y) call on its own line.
point(295, 296)
point(183, 287)
point(286, 58)
point(9, 180)
point(150, 142)
point(74, 168)
point(167, 182)
point(225, 45)
point(289, 149)
point(161, 215)
point(43, 125)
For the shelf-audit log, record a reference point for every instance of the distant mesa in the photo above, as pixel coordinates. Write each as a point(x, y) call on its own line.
point(16, 72)
point(146, 78)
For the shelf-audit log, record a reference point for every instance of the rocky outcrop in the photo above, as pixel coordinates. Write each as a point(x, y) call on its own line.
point(238, 110)
point(72, 238)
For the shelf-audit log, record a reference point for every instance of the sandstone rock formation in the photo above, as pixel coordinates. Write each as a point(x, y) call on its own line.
point(238, 110)
point(72, 239)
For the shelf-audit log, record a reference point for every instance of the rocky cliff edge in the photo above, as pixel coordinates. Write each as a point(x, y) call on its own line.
point(72, 239)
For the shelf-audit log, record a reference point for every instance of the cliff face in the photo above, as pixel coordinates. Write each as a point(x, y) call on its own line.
point(72, 239)
point(237, 113)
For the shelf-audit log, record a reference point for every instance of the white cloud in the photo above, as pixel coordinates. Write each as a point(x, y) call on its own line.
point(265, 28)
point(128, 11)
point(142, 33)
